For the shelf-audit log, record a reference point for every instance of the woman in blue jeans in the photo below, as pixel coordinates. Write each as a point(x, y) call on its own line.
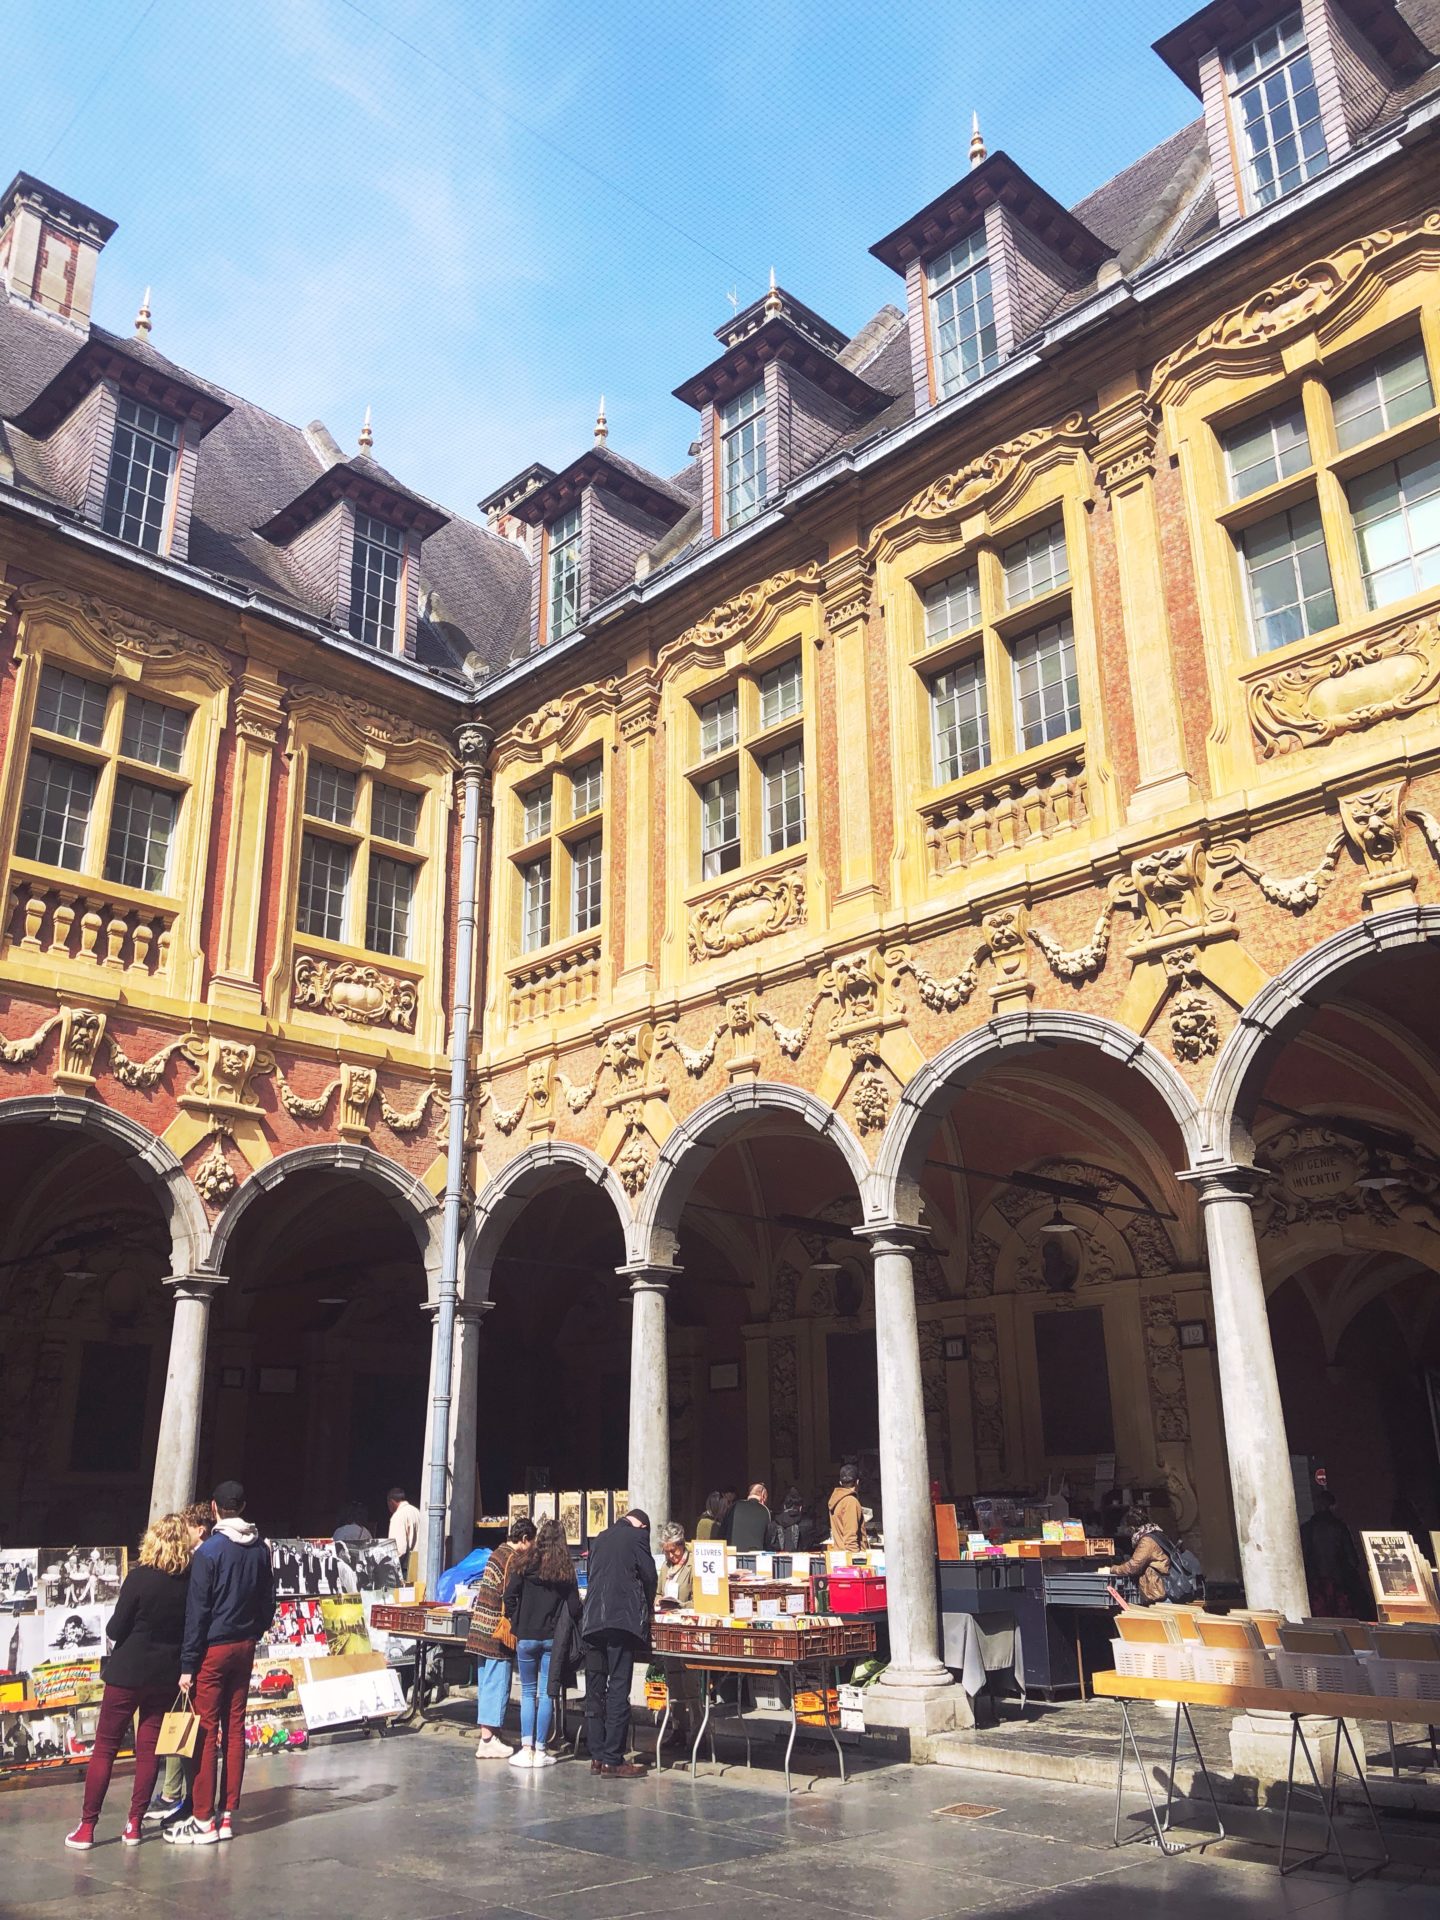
point(539, 1586)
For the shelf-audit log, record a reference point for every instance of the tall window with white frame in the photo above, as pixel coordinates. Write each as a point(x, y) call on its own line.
point(962, 314)
point(743, 476)
point(143, 454)
point(749, 779)
point(1276, 108)
point(563, 585)
point(359, 860)
point(559, 857)
point(104, 782)
point(376, 562)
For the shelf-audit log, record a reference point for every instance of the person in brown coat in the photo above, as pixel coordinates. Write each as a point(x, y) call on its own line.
point(847, 1517)
point(1148, 1563)
point(492, 1694)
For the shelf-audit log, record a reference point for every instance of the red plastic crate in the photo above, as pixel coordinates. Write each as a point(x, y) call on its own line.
point(856, 1590)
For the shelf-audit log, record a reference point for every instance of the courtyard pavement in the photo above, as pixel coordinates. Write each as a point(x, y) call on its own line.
point(409, 1828)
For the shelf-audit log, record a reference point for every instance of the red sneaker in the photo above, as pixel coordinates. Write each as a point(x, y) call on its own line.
point(131, 1836)
point(82, 1838)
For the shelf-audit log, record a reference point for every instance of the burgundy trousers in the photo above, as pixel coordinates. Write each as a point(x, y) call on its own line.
point(149, 1706)
point(221, 1686)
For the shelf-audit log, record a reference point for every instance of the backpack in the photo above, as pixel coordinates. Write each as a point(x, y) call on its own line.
point(1185, 1582)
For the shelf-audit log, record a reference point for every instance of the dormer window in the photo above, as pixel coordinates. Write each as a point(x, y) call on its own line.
point(962, 314)
point(563, 583)
point(1276, 105)
point(742, 456)
point(142, 467)
point(375, 562)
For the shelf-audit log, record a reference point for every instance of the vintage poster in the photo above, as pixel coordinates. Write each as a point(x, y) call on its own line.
point(518, 1507)
point(597, 1512)
point(572, 1518)
point(377, 1565)
point(66, 1683)
point(298, 1631)
point(81, 1576)
point(619, 1503)
point(344, 1618)
point(19, 1579)
point(351, 1698)
point(1397, 1576)
point(311, 1568)
point(47, 1739)
point(22, 1641)
point(73, 1633)
point(542, 1507)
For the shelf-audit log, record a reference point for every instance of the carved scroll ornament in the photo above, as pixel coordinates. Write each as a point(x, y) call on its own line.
point(1385, 677)
point(360, 995)
point(751, 911)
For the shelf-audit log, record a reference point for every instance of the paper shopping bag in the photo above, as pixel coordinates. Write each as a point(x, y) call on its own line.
point(179, 1730)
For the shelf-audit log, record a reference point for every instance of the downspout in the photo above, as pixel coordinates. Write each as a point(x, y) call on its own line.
point(473, 742)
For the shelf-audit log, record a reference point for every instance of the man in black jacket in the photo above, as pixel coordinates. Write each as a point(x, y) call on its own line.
point(619, 1605)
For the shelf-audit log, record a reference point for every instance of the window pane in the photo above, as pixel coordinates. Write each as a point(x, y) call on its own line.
point(585, 880)
point(1278, 111)
point(55, 811)
point(330, 793)
point(1287, 577)
point(563, 546)
point(780, 693)
point(960, 720)
point(66, 704)
point(375, 580)
point(387, 905)
point(1382, 394)
point(535, 921)
point(395, 814)
point(1047, 687)
point(142, 822)
point(720, 825)
point(1266, 450)
point(962, 312)
point(783, 775)
point(324, 887)
point(538, 806)
point(952, 606)
point(1035, 565)
point(719, 724)
point(153, 733)
point(742, 456)
point(1396, 512)
point(587, 789)
point(142, 458)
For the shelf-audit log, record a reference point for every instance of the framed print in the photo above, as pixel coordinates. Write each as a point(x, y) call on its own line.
point(597, 1511)
point(1397, 1576)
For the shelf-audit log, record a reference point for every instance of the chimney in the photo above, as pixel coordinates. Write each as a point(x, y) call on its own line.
point(498, 507)
point(49, 244)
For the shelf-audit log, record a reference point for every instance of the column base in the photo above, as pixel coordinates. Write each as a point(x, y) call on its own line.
point(922, 1701)
point(1260, 1749)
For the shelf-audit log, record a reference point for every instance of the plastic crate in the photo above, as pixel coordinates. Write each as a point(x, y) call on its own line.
point(407, 1620)
point(1320, 1672)
point(1404, 1679)
point(1232, 1666)
point(1167, 1661)
point(853, 1590)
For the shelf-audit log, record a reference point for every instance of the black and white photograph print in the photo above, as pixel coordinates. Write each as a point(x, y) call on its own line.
point(75, 1632)
point(375, 1566)
point(19, 1579)
point(318, 1568)
point(22, 1641)
point(81, 1576)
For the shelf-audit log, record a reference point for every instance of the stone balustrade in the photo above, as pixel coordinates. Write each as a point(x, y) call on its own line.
point(87, 924)
point(555, 983)
point(993, 816)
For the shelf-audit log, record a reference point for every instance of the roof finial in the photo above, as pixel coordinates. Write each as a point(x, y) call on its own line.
point(602, 425)
point(772, 299)
point(977, 141)
point(142, 318)
point(367, 438)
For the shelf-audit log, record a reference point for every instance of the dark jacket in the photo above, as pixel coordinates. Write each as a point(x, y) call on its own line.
point(533, 1605)
point(749, 1526)
point(620, 1596)
point(232, 1592)
point(146, 1629)
point(791, 1531)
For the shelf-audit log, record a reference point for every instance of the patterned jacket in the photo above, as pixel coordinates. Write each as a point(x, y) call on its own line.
point(488, 1604)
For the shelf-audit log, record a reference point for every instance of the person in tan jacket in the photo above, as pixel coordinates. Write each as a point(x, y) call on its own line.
point(847, 1518)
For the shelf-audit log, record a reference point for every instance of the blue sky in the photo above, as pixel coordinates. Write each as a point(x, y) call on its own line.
point(479, 231)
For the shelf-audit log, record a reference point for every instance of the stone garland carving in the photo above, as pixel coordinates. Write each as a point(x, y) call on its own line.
point(411, 1122)
point(141, 1076)
point(1169, 1404)
point(1077, 964)
point(214, 1178)
point(634, 1161)
point(1348, 688)
point(19, 1053)
point(1262, 324)
point(307, 1107)
point(359, 994)
point(751, 911)
point(1298, 892)
point(940, 995)
point(784, 1398)
point(986, 1403)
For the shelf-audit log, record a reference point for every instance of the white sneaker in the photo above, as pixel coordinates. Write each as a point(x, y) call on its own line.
point(542, 1758)
point(492, 1749)
point(190, 1833)
point(523, 1757)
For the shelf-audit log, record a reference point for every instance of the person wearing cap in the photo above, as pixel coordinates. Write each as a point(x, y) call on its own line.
point(847, 1516)
point(615, 1626)
point(230, 1605)
point(404, 1524)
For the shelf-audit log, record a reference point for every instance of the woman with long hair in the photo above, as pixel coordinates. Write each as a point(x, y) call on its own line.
point(492, 1692)
point(538, 1588)
point(143, 1675)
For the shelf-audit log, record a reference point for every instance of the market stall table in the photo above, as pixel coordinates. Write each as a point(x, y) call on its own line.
point(422, 1625)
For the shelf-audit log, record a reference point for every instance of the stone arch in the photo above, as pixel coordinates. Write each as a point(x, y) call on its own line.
point(505, 1196)
point(1282, 1005)
point(700, 1136)
point(149, 1157)
point(932, 1089)
point(422, 1211)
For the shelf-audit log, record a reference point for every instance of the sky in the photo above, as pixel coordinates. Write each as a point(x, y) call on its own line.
point(475, 219)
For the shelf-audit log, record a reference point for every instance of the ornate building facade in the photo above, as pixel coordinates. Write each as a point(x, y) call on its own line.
point(960, 874)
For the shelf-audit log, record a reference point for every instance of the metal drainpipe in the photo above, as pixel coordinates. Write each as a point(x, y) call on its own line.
point(473, 742)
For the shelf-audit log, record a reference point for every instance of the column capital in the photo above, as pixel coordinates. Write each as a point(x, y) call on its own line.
point(474, 1310)
point(645, 1278)
point(892, 1236)
point(195, 1286)
point(1226, 1181)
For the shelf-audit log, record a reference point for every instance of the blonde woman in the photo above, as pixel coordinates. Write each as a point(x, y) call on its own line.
point(143, 1674)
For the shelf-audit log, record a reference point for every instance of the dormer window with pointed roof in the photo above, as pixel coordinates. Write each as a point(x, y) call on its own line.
point(1276, 105)
point(142, 468)
point(962, 314)
point(376, 560)
point(562, 561)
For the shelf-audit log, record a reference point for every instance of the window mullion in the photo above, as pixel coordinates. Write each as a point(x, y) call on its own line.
point(1345, 570)
point(999, 676)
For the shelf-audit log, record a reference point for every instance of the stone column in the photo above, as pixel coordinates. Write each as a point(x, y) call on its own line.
point(177, 1448)
point(649, 1459)
point(464, 1390)
point(259, 719)
point(1264, 1494)
point(918, 1690)
point(847, 608)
